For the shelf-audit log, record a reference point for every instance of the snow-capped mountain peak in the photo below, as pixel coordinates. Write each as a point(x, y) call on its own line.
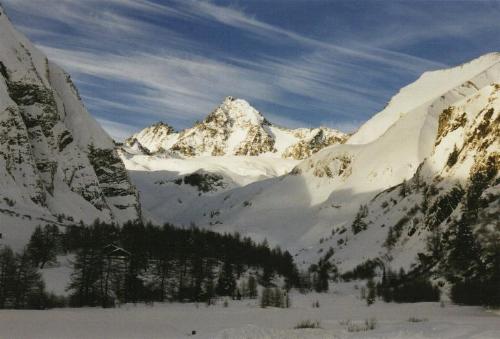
point(152, 138)
point(234, 128)
point(236, 112)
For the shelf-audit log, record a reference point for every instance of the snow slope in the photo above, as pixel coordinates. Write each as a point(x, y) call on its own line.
point(312, 208)
point(56, 162)
point(467, 143)
point(427, 91)
point(157, 178)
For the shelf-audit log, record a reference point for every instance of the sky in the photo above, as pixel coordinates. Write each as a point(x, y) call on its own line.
point(302, 63)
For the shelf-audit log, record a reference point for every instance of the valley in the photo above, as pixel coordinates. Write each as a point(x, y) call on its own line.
point(238, 227)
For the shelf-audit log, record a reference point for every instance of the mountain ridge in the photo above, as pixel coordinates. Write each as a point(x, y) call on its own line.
point(55, 159)
point(235, 128)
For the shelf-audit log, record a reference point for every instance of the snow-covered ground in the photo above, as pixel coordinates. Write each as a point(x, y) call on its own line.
point(165, 201)
point(244, 319)
point(242, 170)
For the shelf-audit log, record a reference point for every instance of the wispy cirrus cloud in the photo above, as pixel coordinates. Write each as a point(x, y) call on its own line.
point(240, 20)
point(449, 20)
point(138, 61)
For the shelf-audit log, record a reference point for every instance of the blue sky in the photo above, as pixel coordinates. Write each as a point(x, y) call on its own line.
point(300, 62)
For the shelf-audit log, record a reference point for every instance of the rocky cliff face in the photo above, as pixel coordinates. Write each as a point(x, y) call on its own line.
point(312, 141)
point(55, 160)
point(235, 128)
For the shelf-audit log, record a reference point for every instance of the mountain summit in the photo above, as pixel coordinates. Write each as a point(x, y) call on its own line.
point(235, 128)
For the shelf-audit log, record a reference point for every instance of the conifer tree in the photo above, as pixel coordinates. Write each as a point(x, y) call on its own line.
point(372, 292)
point(252, 287)
point(267, 275)
point(226, 284)
point(403, 191)
point(359, 224)
point(7, 276)
point(265, 299)
point(391, 239)
point(464, 250)
point(43, 246)
point(209, 291)
point(276, 297)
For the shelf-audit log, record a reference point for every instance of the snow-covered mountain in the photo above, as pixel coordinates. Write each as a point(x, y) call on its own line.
point(234, 128)
point(233, 147)
point(56, 162)
point(462, 166)
point(445, 114)
point(409, 173)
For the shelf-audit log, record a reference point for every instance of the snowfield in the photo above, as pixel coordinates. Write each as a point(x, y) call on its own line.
point(339, 310)
point(163, 200)
point(242, 170)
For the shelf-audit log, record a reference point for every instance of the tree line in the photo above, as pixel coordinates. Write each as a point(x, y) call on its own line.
point(471, 246)
point(21, 284)
point(140, 262)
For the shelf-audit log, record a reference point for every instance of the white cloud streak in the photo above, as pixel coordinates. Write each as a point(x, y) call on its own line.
point(180, 82)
